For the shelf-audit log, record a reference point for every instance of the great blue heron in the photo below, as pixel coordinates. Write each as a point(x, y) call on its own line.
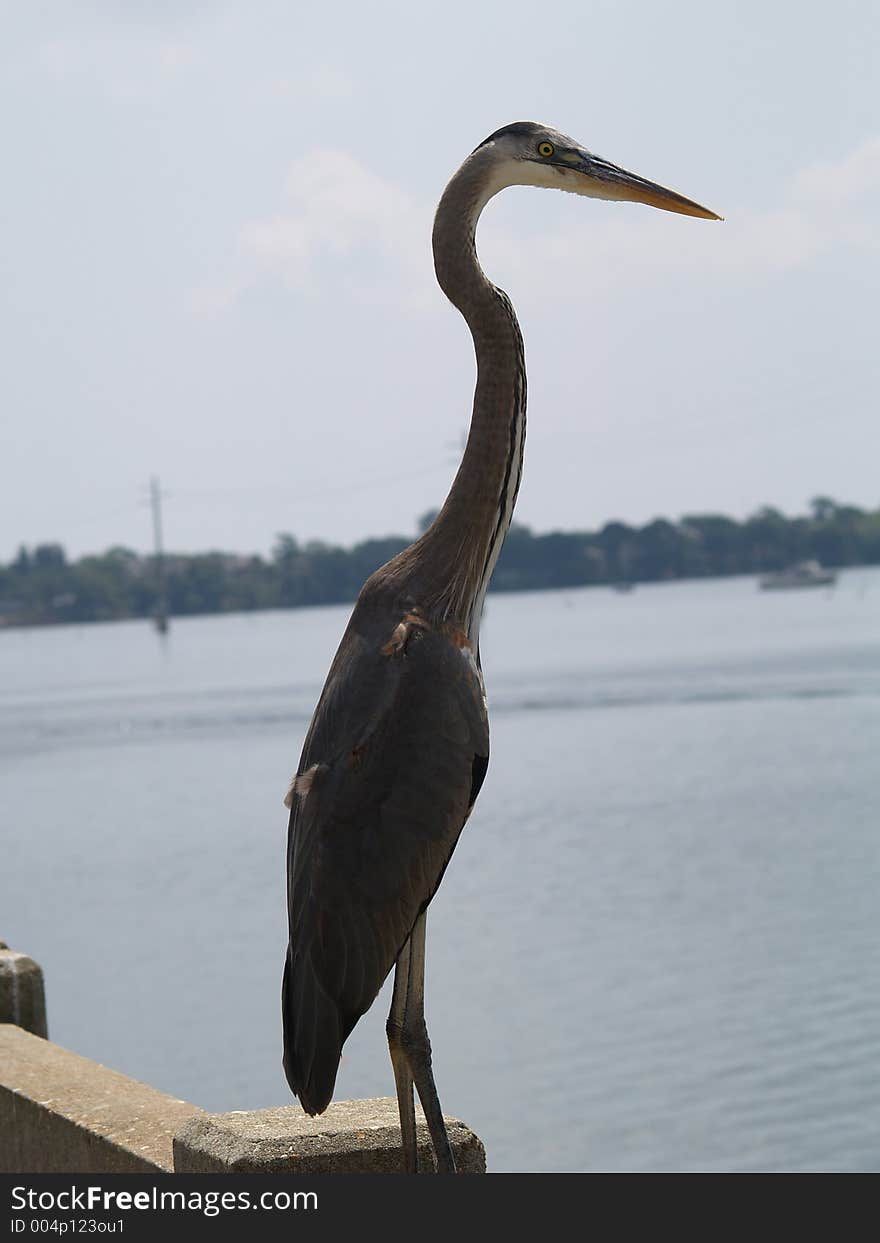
point(399, 744)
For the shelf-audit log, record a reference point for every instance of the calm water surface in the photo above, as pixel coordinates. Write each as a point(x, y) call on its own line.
point(656, 947)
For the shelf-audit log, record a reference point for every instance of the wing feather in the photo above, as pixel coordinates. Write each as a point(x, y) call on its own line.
point(394, 746)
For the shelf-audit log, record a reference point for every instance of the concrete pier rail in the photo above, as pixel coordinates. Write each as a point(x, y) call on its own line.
point(22, 993)
point(351, 1137)
point(62, 1113)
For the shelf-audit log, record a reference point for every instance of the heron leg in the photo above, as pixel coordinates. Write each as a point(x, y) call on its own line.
point(411, 1050)
point(402, 1074)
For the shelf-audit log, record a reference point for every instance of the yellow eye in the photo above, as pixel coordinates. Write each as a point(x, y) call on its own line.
point(546, 149)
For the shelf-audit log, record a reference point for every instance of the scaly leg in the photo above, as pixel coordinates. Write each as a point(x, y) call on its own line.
point(411, 1053)
point(402, 1075)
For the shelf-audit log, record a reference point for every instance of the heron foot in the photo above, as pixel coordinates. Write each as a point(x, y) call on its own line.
point(406, 1106)
point(411, 1058)
point(410, 1051)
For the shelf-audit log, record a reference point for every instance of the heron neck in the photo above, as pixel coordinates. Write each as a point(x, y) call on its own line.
point(460, 549)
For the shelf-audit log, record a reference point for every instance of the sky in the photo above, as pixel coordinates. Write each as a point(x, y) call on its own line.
point(216, 263)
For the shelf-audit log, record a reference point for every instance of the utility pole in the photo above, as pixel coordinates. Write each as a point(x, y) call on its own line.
point(161, 614)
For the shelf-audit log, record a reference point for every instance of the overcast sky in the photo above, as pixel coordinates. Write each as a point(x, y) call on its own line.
point(216, 262)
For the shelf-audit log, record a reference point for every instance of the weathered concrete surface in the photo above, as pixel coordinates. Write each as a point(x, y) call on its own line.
point(22, 996)
point(60, 1112)
point(352, 1137)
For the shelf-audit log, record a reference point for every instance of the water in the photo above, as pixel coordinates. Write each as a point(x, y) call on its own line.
point(656, 945)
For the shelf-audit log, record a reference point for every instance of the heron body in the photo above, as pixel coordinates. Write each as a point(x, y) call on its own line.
point(399, 743)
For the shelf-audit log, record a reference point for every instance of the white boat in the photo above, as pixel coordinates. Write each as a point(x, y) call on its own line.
point(804, 574)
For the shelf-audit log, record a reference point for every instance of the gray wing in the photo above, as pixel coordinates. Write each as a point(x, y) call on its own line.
point(392, 764)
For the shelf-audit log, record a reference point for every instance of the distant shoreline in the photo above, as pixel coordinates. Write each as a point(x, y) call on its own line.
point(41, 587)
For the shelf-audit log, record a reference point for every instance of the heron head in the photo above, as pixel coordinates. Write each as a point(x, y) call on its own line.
point(528, 154)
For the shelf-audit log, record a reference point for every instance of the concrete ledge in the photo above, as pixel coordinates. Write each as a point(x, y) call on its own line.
point(352, 1137)
point(22, 996)
point(61, 1113)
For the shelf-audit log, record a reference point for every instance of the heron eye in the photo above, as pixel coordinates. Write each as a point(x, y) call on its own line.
point(546, 149)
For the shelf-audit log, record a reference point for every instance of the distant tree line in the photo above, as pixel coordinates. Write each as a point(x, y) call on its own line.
point(40, 585)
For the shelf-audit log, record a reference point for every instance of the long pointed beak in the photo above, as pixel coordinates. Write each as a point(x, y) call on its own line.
point(610, 182)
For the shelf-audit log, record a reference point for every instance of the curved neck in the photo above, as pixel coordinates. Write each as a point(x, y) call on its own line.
point(457, 554)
